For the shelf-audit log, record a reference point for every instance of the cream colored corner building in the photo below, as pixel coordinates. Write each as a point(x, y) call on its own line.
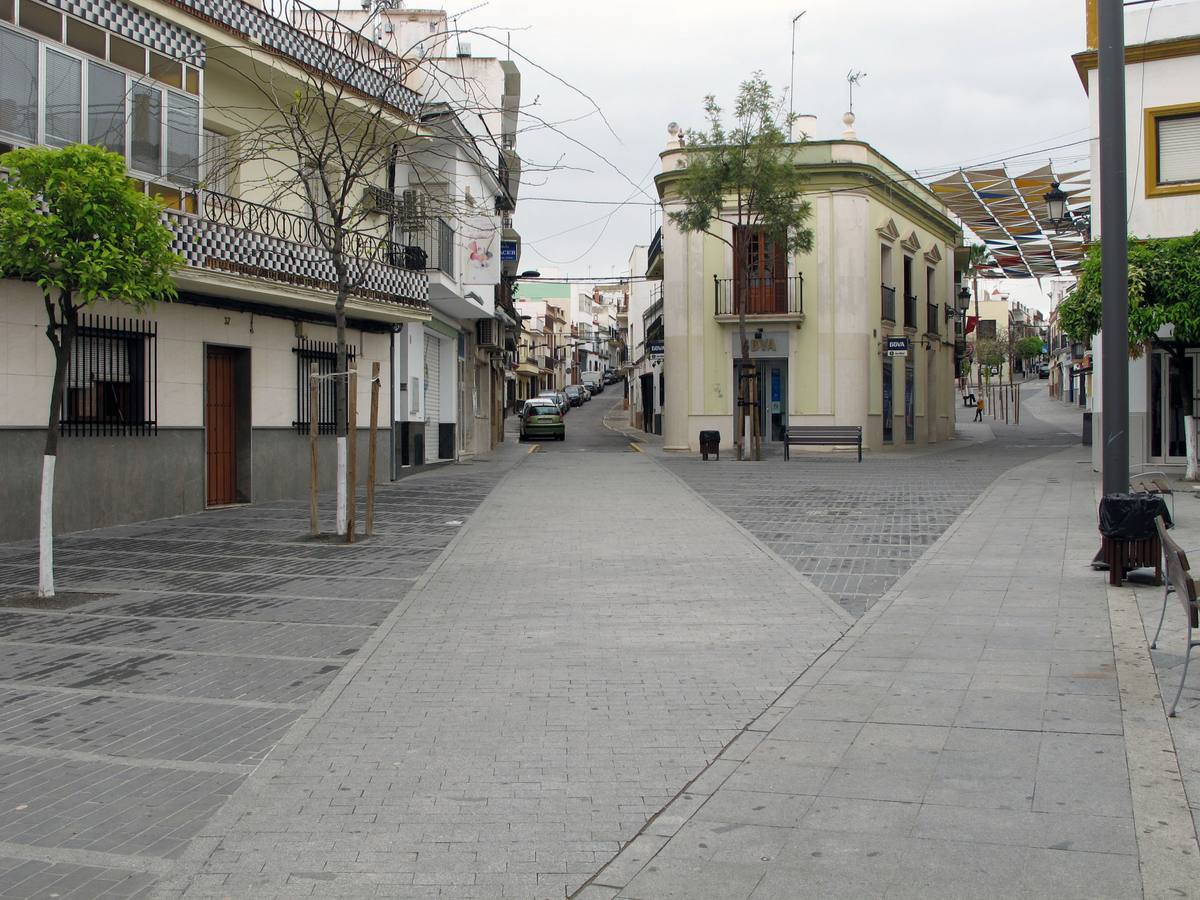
point(881, 265)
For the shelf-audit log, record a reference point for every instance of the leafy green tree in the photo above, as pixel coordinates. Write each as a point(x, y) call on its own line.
point(742, 178)
point(1029, 346)
point(991, 352)
point(1164, 289)
point(72, 222)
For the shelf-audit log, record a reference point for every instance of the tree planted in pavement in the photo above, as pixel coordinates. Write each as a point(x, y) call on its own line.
point(742, 186)
point(72, 222)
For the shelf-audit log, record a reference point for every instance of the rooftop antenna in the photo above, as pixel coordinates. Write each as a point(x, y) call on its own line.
point(852, 78)
point(792, 83)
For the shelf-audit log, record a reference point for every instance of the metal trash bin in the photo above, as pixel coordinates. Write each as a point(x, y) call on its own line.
point(710, 442)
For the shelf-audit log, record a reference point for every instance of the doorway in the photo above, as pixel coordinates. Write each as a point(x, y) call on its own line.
point(1171, 397)
point(227, 425)
point(647, 385)
point(772, 398)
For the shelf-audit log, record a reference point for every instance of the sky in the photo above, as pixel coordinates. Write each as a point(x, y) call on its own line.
point(948, 83)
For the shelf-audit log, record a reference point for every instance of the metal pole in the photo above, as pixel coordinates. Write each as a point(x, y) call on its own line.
point(792, 83)
point(1114, 264)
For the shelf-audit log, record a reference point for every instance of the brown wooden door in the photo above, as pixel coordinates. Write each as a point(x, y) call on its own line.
point(220, 417)
point(764, 262)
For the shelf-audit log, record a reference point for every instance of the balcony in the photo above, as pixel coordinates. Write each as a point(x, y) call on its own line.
point(429, 245)
point(767, 298)
point(315, 41)
point(237, 237)
point(910, 312)
point(654, 257)
point(887, 308)
point(932, 325)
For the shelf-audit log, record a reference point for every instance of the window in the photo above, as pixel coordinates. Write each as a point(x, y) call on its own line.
point(219, 164)
point(41, 19)
point(1173, 150)
point(18, 85)
point(106, 108)
point(324, 355)
point(887, 400)
point(111, 382)
point(145, 128)
point(183, 138)
point(63, 99)
point(84, 37)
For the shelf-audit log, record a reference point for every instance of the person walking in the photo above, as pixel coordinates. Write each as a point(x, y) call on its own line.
point(979, 410)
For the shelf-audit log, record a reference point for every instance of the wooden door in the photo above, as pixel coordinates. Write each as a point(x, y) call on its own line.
point(764, 262)
point(220, 418)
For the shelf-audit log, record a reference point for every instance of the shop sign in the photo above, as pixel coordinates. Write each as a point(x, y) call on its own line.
point(655, 349)
point(508, 251)
point(896, 346)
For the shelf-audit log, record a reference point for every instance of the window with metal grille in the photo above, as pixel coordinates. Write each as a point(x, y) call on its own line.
point(111, 386)
point(324, 354)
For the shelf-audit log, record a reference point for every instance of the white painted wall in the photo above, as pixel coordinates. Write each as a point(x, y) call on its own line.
point(27, 359)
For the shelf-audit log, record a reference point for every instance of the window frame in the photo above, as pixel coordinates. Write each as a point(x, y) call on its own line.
point(46, 45)
point(1150, 129)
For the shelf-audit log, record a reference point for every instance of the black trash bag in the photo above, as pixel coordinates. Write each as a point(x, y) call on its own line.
point(1130, 517)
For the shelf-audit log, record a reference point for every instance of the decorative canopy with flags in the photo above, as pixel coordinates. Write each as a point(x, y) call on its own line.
point(1008, 213)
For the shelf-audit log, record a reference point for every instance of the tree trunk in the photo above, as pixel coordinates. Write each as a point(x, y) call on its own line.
point(1193, 459)
point(341, 381)
point(63, 344)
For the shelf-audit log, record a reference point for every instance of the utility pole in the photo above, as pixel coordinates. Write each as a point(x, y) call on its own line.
point(1114, 250)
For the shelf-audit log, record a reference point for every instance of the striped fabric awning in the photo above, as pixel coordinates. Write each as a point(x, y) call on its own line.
point(1008, 213)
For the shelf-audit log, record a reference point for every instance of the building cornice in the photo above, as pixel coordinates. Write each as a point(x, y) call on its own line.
point(1168, 48)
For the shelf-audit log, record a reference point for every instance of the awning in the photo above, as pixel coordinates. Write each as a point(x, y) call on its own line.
point(1008, 213)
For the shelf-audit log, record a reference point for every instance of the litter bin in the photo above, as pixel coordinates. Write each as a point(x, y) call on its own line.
point(710, 442)
point(1129, 537)
point(1087, 429)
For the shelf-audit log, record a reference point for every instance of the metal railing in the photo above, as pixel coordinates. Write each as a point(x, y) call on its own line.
point(111, 382)
point(932, 324)
point(765, 296)
point(910, 311)
point(655, 251)
point(431, 244)
point(887, 308)
point(316, 41)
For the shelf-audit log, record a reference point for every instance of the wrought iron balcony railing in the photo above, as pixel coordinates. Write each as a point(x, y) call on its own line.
point(932, 325)
point(316, 41)
point(654, 254)
point(430, 245)
point(243, 238)
point(764, 296)
point(887, 309)
point(910, 311)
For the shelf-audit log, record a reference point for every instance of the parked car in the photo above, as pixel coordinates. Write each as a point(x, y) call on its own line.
point(558, 398)
point(593, 381)
point(611, 377)
point(1044, 370)
point(576, 394)
point(542, 418)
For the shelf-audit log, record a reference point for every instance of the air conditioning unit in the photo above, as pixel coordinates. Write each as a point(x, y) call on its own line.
point(486, 333)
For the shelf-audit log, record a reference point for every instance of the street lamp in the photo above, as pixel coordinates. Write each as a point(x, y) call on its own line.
point(1056, 206)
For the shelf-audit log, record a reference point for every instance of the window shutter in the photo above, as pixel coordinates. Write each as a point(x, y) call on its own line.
point(1179, 149)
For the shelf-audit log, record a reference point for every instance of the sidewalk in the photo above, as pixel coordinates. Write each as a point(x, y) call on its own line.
point(972, 735)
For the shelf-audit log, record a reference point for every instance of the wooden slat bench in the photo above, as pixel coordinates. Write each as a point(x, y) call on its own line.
point(822, 436)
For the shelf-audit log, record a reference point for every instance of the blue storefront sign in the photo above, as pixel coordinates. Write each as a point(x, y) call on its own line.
point(508, 251)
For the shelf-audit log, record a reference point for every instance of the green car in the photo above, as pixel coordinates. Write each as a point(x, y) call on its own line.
point(541, 418)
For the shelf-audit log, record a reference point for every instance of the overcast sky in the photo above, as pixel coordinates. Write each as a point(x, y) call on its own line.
point(948, 83)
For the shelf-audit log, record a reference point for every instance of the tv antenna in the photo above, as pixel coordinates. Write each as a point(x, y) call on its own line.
point(854, 77)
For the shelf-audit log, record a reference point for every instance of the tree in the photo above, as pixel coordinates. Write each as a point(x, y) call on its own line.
point(745, 178)
point(1164, 293)
point(328, 149)
point(990, 352)
point(1028, 347)
point(72, 222)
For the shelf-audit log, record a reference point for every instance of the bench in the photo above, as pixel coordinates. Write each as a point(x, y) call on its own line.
point(822, 436)
point(1179, 581)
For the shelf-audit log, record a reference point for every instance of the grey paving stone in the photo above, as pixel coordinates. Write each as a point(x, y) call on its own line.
point(27, 879)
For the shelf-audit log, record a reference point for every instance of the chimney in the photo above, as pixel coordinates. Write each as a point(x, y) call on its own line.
point(804, 128)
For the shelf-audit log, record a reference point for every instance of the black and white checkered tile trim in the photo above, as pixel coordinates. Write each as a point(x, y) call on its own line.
point(215, 246)
point(304, 48)
point(123, 19)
